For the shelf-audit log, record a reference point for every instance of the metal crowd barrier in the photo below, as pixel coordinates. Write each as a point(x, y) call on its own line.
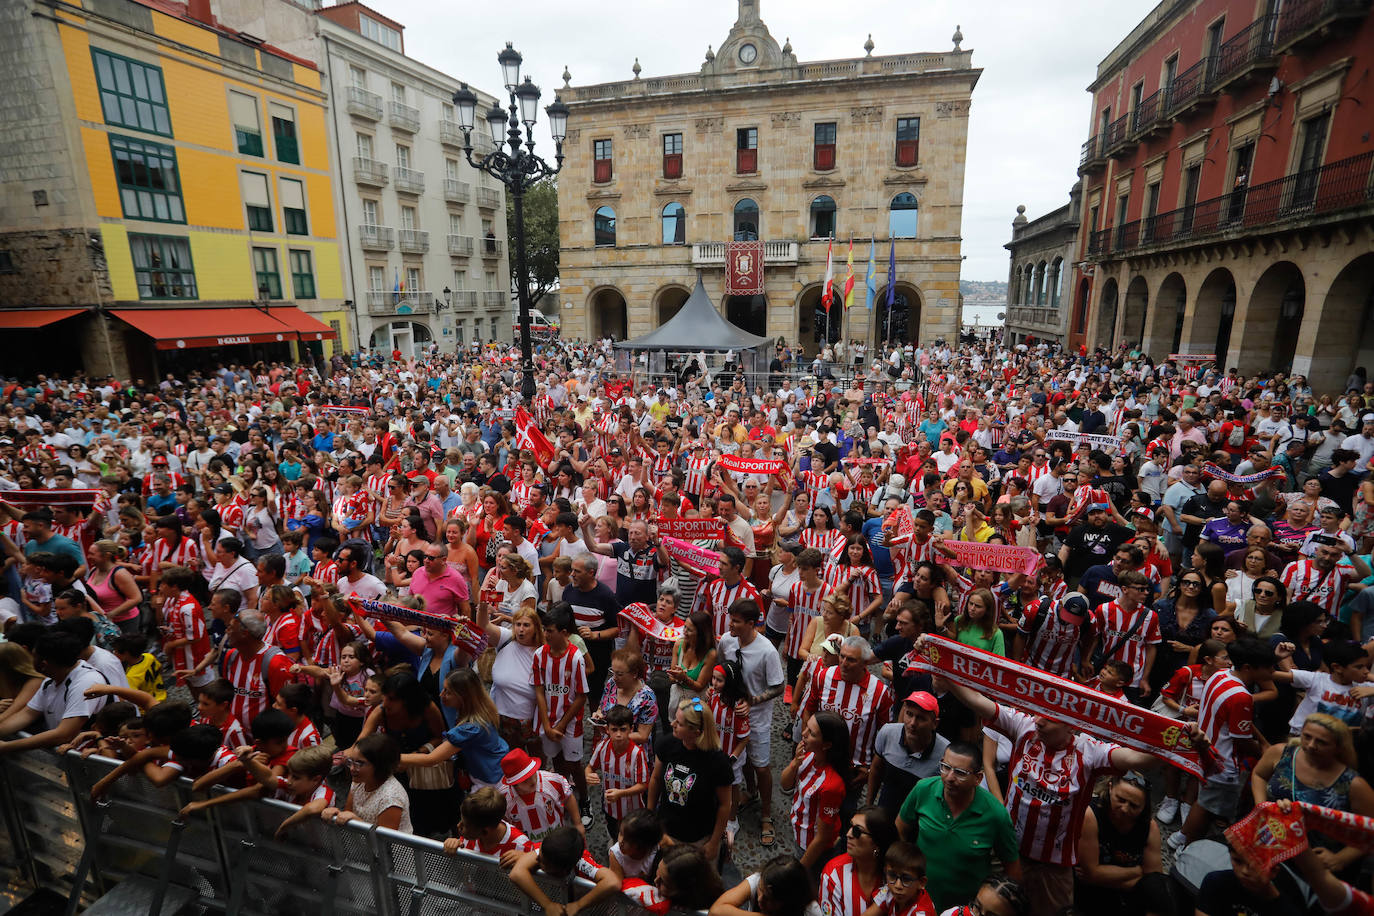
point(227, 859)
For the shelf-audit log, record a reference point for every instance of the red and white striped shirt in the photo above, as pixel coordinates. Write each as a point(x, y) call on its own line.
point(511, 839)
point(521, 495)
point(1112, 623)
point(694, 479)
point(231, 518)
point(1305, 582)
point(715, 598)
point(183, 618)
point(1226, 712)
point(305, 735)
point(285, 633)
point(541, 811)
point(1048, 790)
point(254, 687)
point(232, 731)
point(862, 589)
point(326, 651)
point(1035, 472)
point(732, 727)
point(805, 605)
point(907, 557)
point(841, 894)
point(325, 571)
point(564, 679)
point(827, 541)
point(621, 770)
point(1185, 686)
point(163, 552)
point(814, 483)
point(865, 708)
point(820, 792)
point(1052, 647)
point(376, 485)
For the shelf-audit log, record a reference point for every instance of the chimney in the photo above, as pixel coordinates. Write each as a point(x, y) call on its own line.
point(199, 10)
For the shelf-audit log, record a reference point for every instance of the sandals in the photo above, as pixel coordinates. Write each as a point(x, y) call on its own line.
point(766, 835)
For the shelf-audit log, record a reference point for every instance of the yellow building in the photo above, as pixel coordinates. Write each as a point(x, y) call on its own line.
point(198, 163)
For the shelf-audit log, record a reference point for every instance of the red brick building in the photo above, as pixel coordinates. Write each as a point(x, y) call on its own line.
point(1227, 198)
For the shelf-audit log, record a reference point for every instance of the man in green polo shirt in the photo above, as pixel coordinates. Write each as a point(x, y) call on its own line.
point(959, 827)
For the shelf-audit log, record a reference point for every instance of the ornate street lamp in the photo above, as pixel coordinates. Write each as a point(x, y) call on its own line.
point(514, 164)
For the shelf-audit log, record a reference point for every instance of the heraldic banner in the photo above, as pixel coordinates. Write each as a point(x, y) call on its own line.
point(744, 268)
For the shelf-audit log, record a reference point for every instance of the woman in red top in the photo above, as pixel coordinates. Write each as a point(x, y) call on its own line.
point(820, 773)
point(495, 508)
point(850, 881)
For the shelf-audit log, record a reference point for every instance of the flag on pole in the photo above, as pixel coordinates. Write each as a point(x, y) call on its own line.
point(849, 278)
point(396, 284)
point(891, 273)
point(828, 291)
point(530, 436)
point(871, 278)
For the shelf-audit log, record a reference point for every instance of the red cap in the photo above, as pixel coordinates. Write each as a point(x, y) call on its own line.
point(517, 767)
point(924, 700)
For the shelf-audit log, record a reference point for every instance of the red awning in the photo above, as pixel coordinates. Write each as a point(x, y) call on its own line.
point(307, 326)
point(35, 318)
point(179, 329)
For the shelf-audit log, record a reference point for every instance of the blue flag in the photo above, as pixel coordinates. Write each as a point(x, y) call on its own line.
point(891, 273)
point(870, 279)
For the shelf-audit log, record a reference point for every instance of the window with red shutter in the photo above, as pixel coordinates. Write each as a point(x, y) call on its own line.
point(672, 155)
point(601, 161)
point(908, 141)
point(747, 150)
point(823, 156)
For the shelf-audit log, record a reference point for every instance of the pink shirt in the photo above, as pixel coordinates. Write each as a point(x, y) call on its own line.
point(442, 593)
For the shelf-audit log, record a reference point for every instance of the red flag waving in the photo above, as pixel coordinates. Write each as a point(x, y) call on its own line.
point(530, 436)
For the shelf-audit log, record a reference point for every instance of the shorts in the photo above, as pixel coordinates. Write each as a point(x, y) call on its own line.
point(1220, 795)
point(570, 748)
point(760, 740)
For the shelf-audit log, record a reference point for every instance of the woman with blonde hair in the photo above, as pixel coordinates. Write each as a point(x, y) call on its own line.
point(475, 733)
point(19, 680)
point(113, 586)
point(833, 619)
point(512, 661)
point(515, 582)
point(1317, 767)
point(690, 786)
point(462, 559)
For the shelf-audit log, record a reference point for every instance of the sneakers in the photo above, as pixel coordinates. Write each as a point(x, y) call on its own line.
point(1168, 810)
point(1177, 840)
point(1183, 810)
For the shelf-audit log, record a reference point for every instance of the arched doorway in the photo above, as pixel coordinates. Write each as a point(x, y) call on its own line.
point(1345, 331)
point(1213, 316)
point(669, 300)
point(902, 323)
point(1106, 315)
point(607, 314)
point(1273, 319)
point(1080, 311)
point(410, 337)
point(748, 312)
point(1165, 326)
point(1135, 307)
point(814, 325)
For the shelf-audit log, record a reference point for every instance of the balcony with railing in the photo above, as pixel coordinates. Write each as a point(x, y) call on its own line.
point(369, 171)
point(398, 302)
point(1036, 318)
point(412, 240)
point(1091, 158)
point(364, 104)
point(457, 192)
point(403, 117)
point(1149, 114)
point(450, 134)
point(408, 181)
point(1116, 139)
point(460, 245)
point(775, 251)
point(376, 238)
point(1191, 88)
point(1303, 196)
point(1246, 56)
point(488, 198)
point(492, 248)
point(464, 298)
point(495, 298)
point(1302, 20)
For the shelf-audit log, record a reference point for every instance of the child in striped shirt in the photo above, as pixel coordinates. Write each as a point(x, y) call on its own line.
point(621, 766)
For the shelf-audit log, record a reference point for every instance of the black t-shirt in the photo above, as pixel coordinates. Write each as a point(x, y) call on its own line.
point(600, 599)
point(1200, 506)
point(687, 799)
point(827, 453)
point(1222, 894)
point(1089, 546)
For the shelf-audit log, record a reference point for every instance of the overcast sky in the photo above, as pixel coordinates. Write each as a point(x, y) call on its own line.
point(1030, 109)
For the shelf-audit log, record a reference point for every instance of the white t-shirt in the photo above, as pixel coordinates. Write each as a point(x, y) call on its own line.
point(780, 583)
point(511, 689)
point(762, 668)
point(1325, 695)
point(241, 576)
point(65, 699)
point(108, 664)
point(511, 599)
point(752, 905)
point(368, 587)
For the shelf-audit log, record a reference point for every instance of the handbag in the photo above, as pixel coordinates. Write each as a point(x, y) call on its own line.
point(432, 777)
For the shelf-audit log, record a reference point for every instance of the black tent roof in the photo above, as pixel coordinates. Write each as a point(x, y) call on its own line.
point(696, 326)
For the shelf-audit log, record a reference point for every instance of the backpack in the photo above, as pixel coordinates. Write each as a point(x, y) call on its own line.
point(1237, 437)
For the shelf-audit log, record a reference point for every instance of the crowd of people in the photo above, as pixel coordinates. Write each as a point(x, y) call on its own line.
point(695, 607)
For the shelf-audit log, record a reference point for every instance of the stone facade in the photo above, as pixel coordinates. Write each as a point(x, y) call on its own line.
point(1226, 190)
point(1041, 260)
point(825, 158)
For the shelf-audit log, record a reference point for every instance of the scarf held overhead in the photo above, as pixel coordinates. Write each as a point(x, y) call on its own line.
point(466, 635)
point(699, 561)
point(1042, 694)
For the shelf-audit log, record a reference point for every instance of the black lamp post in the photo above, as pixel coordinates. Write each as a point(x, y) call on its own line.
point(517, 167)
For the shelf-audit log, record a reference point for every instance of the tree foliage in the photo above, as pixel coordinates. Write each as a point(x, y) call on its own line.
point(541, 239)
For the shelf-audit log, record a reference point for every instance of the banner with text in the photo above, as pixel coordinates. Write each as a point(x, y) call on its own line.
point(466, 634)
point(1040, 693)
point(740, 465)
point(1092, 440)
point(1275, 832)
point(1212, 470)
point(702, 562)
point(1003, 558)
point(642, 619)
point(37, 499)
point(691, 529)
